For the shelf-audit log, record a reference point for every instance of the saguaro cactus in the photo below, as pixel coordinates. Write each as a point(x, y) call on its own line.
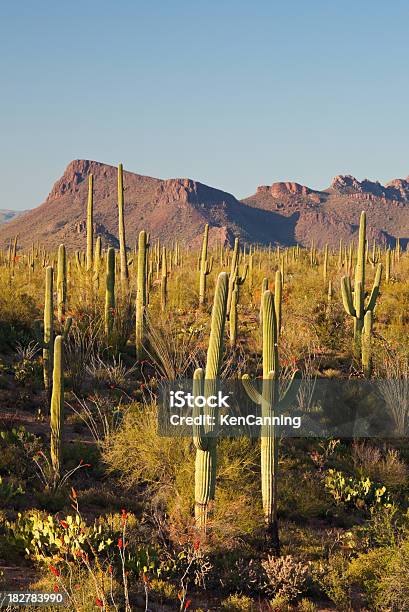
point(57, 408)
point(233, 318)
point(141, 295)
point(164, 281)
point(278, 298)
point(121, 231)
point(206, 266)
point(354, 302)
point(270, 402)
point(206, 458)
point(46, 340)
point(110, 292)
point(61, 283)
point(264, 287)
point(233, 272)
point(367, 344)
point(90, 224)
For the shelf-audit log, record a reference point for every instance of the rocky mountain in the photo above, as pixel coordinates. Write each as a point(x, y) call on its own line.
point(284, 212)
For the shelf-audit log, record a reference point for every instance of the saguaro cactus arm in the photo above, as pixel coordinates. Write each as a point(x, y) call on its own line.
point(375, 288)
point(346, 291)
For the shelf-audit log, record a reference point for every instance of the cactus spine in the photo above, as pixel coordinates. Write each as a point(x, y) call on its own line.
point(270, 402)
point(110, 292)
point(90, 224)
point(205, 466)
point(122, 238)
point(57, 407)
point(141, 296)
point(354, 301)
point(205, 267)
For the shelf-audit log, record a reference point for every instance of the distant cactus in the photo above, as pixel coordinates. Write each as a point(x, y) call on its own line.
point(90, 224)
point(46, 340)
point(141, 295)
point(206, 266)
point(110, 292)
point(233, 318)
point(61, 283)
point(164, 281)
point(354, 301)
point(121, 232)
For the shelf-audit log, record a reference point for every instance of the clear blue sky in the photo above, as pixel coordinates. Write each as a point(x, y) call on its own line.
point(232, 93)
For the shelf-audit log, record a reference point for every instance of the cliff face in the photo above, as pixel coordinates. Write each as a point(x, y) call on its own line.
point(177, 209)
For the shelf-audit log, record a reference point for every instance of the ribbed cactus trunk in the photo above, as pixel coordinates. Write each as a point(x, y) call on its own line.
point(48, 345)
point(278, 298)
point(97, 261)
point(110, 292)
point(233, 272)
point(264, 287)
point(57, 408)
point(354, 302)
point(206, 458)
point(90, 224)
point(121, 231)
point(205, 267)
point(269, 442)
point(234, 319)
point(61, 283)
point(164, 281)
point(141, 296)
point(359, 285)
point(367, 344)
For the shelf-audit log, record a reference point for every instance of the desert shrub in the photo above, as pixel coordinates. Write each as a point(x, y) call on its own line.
point(165, 467)
point(28, 369)
point(285, 577)
point(385, 466)
point(237, 603)
point(332, 580)
point(306, 605)
point(394, 583)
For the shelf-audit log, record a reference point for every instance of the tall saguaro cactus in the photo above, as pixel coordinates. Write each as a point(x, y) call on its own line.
point(46, 339)
point(354, 301)
point(233, 272)
point(61, 283)
point(271, 403)
point(206, 457)
point(121, 231)
point(141, 297)
point(90, 223)
point(110, 292)
point(57, 408)
point(205, 267)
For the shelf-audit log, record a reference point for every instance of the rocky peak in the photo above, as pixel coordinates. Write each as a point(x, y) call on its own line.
point(397, 190)
point(75, 173)
point(191, 192)
point(289, 189)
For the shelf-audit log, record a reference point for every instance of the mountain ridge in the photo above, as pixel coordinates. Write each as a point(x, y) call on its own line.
point(284, 212)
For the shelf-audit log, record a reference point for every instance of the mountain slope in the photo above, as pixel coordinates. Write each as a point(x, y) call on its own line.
point(177, 209)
